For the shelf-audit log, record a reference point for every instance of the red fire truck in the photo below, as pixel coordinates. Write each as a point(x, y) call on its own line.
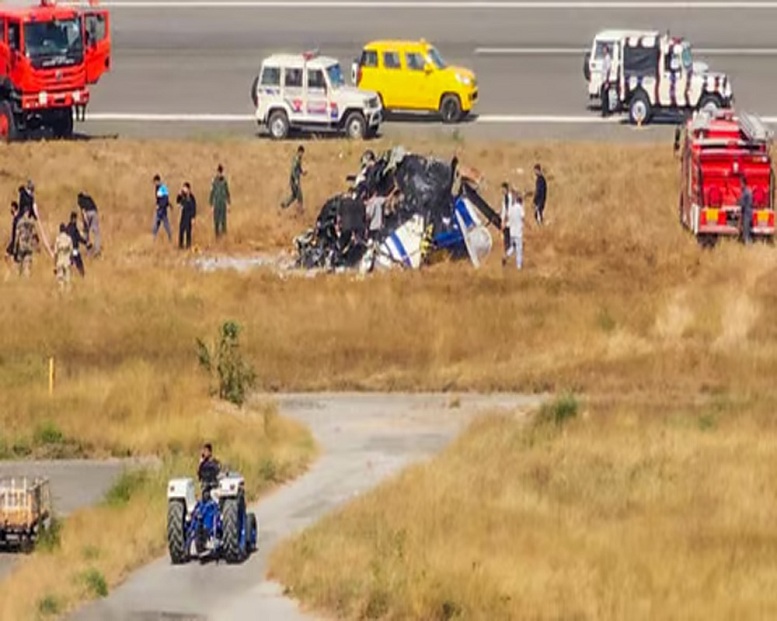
point(718, 149)
point(49, 55)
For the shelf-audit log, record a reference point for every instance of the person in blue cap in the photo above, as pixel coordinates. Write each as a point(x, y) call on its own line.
point(162, 206)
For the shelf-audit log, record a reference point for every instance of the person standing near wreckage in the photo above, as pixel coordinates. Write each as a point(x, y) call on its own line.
point(220, 201)
point(295, 181)
point(513, 222)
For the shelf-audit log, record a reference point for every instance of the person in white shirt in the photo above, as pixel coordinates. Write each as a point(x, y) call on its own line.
point(512, 221)
point(606, 79)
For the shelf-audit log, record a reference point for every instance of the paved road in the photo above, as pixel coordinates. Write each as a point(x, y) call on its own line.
point(202, 60)
point(74, 484)
point(364, 439)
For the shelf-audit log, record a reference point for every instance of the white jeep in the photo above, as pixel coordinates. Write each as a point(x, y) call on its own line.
point(308, 92)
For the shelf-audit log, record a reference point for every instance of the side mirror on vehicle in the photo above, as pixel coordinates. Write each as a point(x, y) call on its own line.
point(428, 68)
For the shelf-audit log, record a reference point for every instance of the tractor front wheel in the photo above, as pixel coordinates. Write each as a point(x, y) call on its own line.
point(235, 542)
point(176, 532)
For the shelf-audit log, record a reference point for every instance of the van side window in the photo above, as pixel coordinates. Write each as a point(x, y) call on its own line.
point(391, 60)
point(14, 39)
point(271, 76)
point(316, 79)
point(293, 78)
point(414, 61)
point(369, 58)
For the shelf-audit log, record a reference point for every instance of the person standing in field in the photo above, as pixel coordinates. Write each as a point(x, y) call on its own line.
point(295, 181)
point(14, 213)
point(91, 223)
point(515, 214)
point(746, 204)
point(25, 244)
point(220, 200)
point(188, 205)
point(63, 251)
point(162, 198)
point(77, 239)
point(540, 194)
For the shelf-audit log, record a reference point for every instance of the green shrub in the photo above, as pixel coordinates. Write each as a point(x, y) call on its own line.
point(50, 538)
point(124, 488)
point(224, 361)
point(48, 433)
point(95, 582)
point(559, 411)
point(49, 606)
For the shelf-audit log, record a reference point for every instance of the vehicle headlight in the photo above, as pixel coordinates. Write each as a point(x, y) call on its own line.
point(466, 81)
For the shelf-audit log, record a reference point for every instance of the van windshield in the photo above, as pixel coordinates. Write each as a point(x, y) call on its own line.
point(54, 38)
point(335, 74)
point(436, 58)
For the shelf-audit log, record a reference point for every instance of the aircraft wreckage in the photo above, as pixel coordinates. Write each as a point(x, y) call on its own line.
point(401, 210)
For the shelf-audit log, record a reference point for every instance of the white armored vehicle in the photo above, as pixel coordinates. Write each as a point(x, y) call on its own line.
point(651, 73)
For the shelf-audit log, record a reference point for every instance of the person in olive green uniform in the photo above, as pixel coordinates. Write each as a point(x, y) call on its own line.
point(295, 181)
point(220, 201)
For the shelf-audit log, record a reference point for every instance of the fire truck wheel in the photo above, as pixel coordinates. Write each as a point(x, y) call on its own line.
point(7, 123)
point(639, 109)
point(278, 124)
point(63, 126)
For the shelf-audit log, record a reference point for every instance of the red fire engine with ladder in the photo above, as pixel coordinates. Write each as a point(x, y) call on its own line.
point(49, 55)
point(718, 148)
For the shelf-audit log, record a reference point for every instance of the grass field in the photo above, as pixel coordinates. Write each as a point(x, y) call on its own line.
point(616, 300)
point(660, 511)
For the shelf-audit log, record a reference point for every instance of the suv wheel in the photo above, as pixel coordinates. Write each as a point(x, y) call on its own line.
point(450, 109)
point(639, 109)
point(355, 126)
point(278, 124)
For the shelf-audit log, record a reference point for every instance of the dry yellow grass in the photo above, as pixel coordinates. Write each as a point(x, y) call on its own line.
point(657, 512)
point(616, 299)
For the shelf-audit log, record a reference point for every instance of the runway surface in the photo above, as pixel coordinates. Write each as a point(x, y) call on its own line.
point(202, 60)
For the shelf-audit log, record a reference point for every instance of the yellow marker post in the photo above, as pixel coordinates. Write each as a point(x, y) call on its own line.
point(51, 375)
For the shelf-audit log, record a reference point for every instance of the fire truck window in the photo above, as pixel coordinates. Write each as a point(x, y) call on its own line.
point(271, 76)
point(13, 35)
point(95, 28)
point(293, 78)
point(54, 38)
point(316, 79)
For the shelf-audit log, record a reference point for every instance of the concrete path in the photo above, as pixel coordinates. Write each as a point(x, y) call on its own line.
point(364, 438)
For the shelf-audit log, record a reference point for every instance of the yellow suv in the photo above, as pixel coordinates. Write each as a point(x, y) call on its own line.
point(412, 75)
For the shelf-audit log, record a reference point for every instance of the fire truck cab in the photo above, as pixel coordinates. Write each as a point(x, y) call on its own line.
point(49, 55)
point(718, 149)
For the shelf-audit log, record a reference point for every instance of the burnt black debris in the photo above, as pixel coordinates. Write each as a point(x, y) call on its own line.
point(413, 185)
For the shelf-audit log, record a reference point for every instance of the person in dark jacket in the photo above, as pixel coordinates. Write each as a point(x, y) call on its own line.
point(91, 223)
point(14, 221)
point(209, 468)
point(540, 194)
point(746, 204)
point(188, 206)
point(75, 235)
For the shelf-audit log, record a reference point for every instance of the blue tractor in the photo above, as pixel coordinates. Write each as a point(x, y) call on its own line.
point(217, 525)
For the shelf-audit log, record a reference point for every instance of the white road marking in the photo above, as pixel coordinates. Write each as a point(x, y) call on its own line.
point(441, 4)
point(575, 51)
point(504, 119)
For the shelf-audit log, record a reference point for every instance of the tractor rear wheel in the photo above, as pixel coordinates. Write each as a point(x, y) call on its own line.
point(253, 532)
point(234, 548)
point(176, 532)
